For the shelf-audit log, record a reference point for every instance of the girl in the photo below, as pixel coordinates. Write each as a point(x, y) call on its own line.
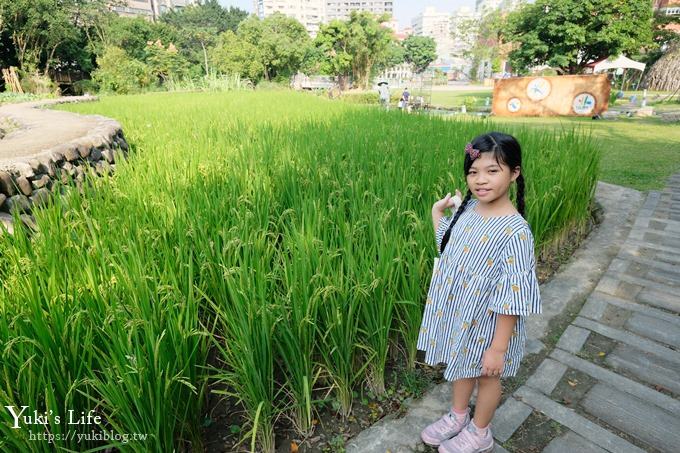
point(482, 288)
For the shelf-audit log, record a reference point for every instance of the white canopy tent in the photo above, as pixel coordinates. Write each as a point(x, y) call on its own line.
point(621, 62)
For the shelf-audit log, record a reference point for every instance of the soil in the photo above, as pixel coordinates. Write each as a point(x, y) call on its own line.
point(224, 418)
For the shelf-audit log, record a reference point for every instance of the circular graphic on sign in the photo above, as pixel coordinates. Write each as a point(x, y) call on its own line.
point(514, 105)
point(538, 89)
point(583, 104)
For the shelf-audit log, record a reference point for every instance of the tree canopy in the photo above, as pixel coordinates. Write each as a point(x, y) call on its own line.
point(567, 34)
point(420, 51)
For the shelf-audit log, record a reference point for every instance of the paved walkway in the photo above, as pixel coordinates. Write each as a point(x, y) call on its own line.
point(40, 128)
point(612, 382)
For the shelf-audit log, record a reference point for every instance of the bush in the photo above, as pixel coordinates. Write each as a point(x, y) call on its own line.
point(120, 73)
point(37, 83)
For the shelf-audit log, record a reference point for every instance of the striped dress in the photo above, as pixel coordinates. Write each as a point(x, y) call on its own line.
point(488, 267)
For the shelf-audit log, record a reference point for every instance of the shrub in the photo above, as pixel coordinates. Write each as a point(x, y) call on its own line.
point(120, 73)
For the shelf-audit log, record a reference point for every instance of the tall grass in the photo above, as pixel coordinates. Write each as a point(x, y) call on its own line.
point(289, 235)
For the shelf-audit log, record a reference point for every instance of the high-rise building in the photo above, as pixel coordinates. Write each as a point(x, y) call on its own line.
point(483, 7)
point(310, 13)
point(150, 9)
point(667, 7)
point(340, 9)
point(436, 25)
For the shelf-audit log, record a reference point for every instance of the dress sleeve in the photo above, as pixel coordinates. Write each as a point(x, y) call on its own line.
point(441, 229)
point(517, 291)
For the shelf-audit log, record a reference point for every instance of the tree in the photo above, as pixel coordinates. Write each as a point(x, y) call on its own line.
point(368, 44)
point(663, 37)
point(332, 50)
point(233, 55)
point(38, 28)
point(568, 34)
point(282, 42)
point(355, 46)
point(394, 56)
point(199, 25)
point(420, 51)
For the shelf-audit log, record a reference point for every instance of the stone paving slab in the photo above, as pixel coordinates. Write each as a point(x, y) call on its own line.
point(509, 416)
point(629, 338)
point(634, 416)
point(655, 329)
point(571, 443)
point(547, 376)
point(655, 370)
point(601, 300)
point(620, 382)
point(575, 422)
point(573, 338)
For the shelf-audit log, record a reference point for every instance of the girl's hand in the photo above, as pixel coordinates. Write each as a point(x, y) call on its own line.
point(448, 202)
point(492, 362)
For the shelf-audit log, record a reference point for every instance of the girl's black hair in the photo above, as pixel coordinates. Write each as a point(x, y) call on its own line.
point(506, 150)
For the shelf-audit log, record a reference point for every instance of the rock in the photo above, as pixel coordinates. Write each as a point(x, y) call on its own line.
point(47, 165)
point(3, 197)
point(40, 197)
point(83, 150)
point(7, 184)
point(24, 169)
point(6, 221)
point(96, 154)
point(35, 165)
point(29, 221)
point(57, 157)
point(108, 155)
point(71, 154)
point(19, 202)
point(43, 181)
point(24, 185)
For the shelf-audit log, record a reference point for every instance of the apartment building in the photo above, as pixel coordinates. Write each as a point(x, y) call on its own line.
point(340, 9)
point(668, 7)
point(436, 25)
point(150, 9)
point(310, 13)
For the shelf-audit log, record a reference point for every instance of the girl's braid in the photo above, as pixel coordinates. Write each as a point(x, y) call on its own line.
point(460, 210)
point(520, 195)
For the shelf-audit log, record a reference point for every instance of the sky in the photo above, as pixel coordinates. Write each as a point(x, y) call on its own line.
point(404, 10)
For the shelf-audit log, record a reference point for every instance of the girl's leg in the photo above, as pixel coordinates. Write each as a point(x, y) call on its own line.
point(462, 390)
point(488, 397)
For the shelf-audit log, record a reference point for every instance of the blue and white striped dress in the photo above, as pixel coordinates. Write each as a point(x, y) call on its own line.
point(488, 267)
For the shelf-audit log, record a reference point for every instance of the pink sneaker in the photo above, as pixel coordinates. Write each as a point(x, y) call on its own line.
point(444, 428)
point(469, 440)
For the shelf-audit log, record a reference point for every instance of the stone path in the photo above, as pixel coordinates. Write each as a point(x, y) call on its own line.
point(612, 381)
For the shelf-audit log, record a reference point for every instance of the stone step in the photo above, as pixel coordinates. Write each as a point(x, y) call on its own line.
point(654, 329)
point(576, 422)
point(645, 366)
point(632, 339)
point(616, 380)
point(634, 416)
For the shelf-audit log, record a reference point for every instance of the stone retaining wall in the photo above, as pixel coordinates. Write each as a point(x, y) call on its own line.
point(26, 183)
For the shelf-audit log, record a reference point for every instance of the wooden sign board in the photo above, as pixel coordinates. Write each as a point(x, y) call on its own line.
point(572, 95)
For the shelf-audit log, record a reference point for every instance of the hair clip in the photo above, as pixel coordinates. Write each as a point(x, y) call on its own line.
point(472, 152)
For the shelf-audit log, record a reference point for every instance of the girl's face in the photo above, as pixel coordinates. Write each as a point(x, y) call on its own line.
point(488, 179)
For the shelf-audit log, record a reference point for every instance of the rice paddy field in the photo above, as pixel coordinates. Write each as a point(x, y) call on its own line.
point(276, 246)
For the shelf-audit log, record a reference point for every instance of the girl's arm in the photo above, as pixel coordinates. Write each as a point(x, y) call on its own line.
point(492, 360)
